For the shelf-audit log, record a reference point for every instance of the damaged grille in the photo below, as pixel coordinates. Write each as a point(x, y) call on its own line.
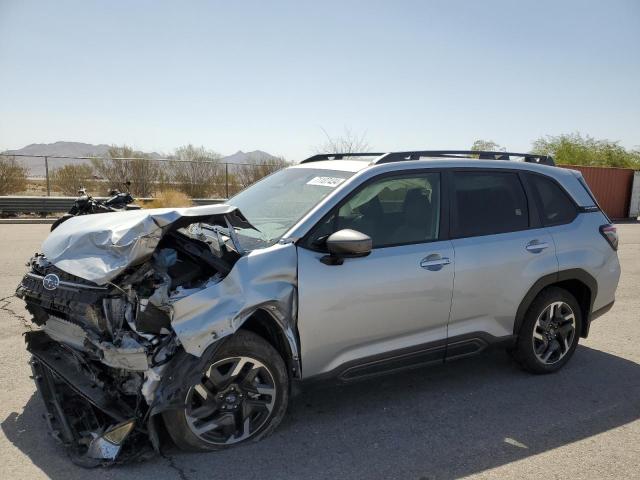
point(73, 299)
point(40, 266)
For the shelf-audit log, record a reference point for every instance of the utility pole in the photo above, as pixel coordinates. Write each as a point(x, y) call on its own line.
point(46, 168)
point(226, 179)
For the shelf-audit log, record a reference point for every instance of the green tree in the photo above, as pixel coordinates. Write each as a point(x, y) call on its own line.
point(13, 176)
point(576, 149)
point(487, 146)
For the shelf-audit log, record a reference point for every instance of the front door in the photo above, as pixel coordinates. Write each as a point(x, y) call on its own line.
point(390, 308)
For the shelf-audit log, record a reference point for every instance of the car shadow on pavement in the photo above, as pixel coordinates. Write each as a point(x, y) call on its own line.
point(444, 422)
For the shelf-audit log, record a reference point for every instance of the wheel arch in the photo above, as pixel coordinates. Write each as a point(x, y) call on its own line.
point(576, 281)
point(266, 323)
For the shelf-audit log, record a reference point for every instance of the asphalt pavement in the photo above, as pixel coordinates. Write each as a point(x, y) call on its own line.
point(480, 417)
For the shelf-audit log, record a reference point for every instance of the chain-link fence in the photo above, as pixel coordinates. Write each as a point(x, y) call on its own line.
point(51, 175)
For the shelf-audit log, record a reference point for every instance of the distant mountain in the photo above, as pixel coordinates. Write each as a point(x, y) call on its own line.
point(248, 157)
point(78, 149)
point(36, 165)
point(66, 149)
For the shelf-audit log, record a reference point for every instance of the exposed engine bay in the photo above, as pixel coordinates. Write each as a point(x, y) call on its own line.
point(120, 343)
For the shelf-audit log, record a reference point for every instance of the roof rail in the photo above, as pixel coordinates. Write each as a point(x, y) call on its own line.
point(338, 156)
point(416, 155)
point(479, 154)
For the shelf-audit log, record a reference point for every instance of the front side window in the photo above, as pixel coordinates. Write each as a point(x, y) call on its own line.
point(555, 205)
point(392, 211)
point(486, 203)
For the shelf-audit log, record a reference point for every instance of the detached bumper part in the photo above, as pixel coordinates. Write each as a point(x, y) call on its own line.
point(81, 415)
point(108, 445)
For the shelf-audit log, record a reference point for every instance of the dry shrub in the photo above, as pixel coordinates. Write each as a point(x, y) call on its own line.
point(70, 178)
point(169, 198)
point(195, 171)
point(13, 176)
point(247, 174)
point(126, 164)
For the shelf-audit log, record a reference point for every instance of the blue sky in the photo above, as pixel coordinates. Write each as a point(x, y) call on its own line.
point(270, 75)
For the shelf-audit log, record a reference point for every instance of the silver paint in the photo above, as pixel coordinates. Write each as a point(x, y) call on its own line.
point(263, 279)
point(493, 274)
point(371, 305)
point(99, 247)
point(580, 245)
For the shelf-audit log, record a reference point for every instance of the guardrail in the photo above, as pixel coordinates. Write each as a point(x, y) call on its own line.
point(44, 205)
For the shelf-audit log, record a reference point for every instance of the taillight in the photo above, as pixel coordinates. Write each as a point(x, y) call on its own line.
point(610, 234)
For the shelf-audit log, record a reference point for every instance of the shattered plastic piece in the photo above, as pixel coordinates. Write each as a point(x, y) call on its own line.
point(152, 379)
point(65, 332)
point(108, 445)
point(129, 355)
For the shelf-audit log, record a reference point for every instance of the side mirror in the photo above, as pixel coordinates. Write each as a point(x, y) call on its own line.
point(346, 244)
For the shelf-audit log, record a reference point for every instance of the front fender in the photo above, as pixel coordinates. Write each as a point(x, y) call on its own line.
point(264, 279)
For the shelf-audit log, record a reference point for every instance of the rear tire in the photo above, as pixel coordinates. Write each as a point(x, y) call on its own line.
point(243, 397)
point(550, 331)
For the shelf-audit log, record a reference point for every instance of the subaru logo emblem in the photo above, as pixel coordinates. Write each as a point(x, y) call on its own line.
point(51, 281)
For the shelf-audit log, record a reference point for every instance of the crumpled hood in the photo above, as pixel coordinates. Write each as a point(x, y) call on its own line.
point(99, 247)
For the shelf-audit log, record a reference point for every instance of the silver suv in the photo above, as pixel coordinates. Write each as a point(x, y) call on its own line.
point(343, 267)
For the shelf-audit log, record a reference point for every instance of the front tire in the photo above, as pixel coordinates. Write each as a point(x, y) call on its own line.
point(60, 220)
point(242, 397)
point(550, 331)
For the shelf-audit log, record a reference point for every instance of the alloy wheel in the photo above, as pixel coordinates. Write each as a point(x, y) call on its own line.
point(554, 333)
point(233, 401)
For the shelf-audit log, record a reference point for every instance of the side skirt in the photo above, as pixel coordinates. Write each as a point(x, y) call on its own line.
point(432, 353)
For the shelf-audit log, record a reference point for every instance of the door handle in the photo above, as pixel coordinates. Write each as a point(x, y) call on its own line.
point(536, 246)
point(434, 262)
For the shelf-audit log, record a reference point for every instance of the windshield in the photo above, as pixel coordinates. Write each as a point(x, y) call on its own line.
point(274, 204)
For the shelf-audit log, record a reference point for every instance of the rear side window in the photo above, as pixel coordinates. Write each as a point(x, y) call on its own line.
point(555, 205)
point(486, 203)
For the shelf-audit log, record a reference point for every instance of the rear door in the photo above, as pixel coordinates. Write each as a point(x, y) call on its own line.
point(501, 250)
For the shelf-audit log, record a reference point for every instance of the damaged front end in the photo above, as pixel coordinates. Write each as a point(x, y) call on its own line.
point(127, 305)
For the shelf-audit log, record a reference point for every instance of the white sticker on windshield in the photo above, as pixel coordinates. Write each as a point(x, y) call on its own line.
point(330, 182)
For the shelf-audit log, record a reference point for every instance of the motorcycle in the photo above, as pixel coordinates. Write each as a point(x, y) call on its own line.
point(85, 204)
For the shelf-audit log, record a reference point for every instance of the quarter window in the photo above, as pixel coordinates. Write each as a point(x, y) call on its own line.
point(487, 203)
point(555, 205)
point(392, 211)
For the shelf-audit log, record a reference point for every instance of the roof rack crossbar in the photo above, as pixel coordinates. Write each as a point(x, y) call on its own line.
point(338, 156)
point(480, 154)
point(418, 154)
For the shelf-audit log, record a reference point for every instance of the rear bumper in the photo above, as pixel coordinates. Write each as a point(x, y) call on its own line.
point(601, 311)
point(594, 316)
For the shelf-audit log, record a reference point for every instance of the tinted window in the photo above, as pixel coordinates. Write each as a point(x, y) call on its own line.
point(555, 205)
point(486, 203)
point(392, 211)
